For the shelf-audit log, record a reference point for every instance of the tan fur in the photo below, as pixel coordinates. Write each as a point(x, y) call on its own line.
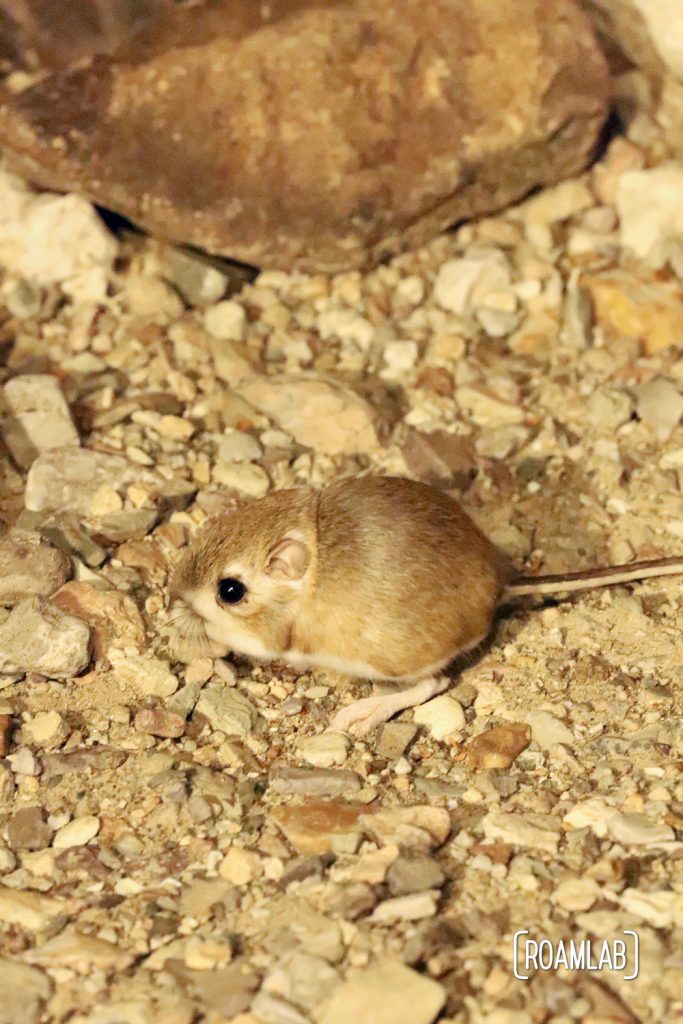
point(400, 579)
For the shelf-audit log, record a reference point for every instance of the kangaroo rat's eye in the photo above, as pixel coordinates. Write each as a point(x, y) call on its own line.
point(231, 590)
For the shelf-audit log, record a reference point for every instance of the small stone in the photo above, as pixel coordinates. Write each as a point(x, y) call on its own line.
point(30, 990)
point(558, 203)
point(8, 861)
point(659, 909)
point(486, 410)
point(650, 208)
point(238, 446)
point(520, 830)
point(69, 478)
point(413, 907)
point(636, 307)
point(206, 955)
point(37, 637)
point(82, 953)
point(547, 730)
point(157, 722)
point(28, 830)
point(77, 832)
point(184, 700)
point(269, 1009)
point(323, 415)
point(346, 325)
point(414, 874)
point(245, 477)
point(442, 716)
point(30, 567)
point(145, 677)
point(394, 738)
point(310, 828)
point(497, 747)
point(608, 409)
point(436, 379)
point(659, 406)
point(198, 282)
point(199, 671)
point(30, 910)
point(226, 320)
point(417, 828)
point(227, 710)
point(462, 284)
point(325, 750)
point(240, 866)
point(316, 782)
point(637, 830)
point(47, 729)
point(301, 979)
point(386, 993)
point(105, 501)
point(576, 894)
point(175, 428)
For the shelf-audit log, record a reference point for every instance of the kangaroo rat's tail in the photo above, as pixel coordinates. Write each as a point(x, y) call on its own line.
point(564, 583)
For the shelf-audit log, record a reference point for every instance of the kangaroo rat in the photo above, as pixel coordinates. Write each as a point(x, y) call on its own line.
point(381, 578)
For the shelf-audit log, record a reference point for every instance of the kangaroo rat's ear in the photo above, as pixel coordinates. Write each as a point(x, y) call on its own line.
point(288, 559)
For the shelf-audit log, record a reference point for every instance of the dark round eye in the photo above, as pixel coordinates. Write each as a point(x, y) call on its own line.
point(231, 590)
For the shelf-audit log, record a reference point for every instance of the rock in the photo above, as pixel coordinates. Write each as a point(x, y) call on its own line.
point(47, 729)
point(81, 953)
point(413, 907)
point(199, 671)
point(36, 637)
point(659, 909)
point(238, 446)
point(325, 750)
point(440, 458)
point(546, 730)
point(553, 205)
point(576, 894)
point(648, 32)
point(659, 406)
point(486, 410)
point(227, 710)
point(350, 186)
point(520, 830)
point(417, 828)
point(30, 910)
point(240, 866)
point(69, 478)
point(243, 476)
point(386, 993)
point(157, 722)
point(145, 677)
point(414, 874)
point(29, 988)
point(77, 832)
point(269, 1009)
point(638, 830)
point(394, 738)
point(301, 979)
point(497, 747)
point(36, 418)
point(67, 535)
point(462, 285)
point(52, 239)
point(113, 616)
point(226, 320)
point(316, 782)
point(319, 413)
point(27, 829)
point(650, 208)
point(199, 283)
point(442, 716)
point(29, 567)
point(636, 307)
point(311, 827)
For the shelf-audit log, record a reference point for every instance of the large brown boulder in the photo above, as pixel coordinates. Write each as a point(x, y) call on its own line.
point(328, 136)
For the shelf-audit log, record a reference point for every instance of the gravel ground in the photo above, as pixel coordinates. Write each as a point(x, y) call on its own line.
point(179, 842)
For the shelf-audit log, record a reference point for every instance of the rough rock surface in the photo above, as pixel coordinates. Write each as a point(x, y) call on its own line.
point(30, 567)
point(387, 126)
point(37, 637)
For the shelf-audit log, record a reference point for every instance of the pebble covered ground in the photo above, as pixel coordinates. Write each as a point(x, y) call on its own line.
point(180, 842)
